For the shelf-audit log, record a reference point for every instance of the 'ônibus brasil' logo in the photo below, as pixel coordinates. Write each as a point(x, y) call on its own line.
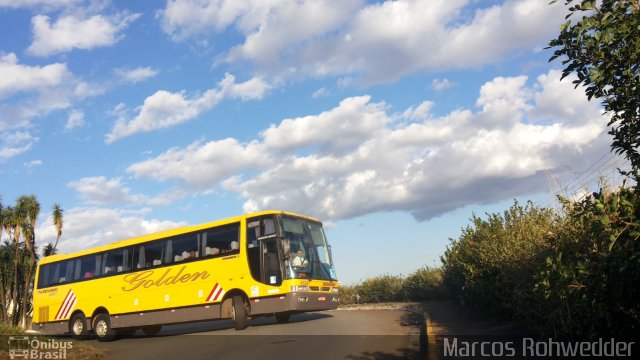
point(146, 279)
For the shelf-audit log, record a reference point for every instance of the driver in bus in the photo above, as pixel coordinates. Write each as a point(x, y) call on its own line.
point(299, 262)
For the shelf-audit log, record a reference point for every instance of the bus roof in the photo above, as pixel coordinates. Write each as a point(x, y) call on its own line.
point(166, 233)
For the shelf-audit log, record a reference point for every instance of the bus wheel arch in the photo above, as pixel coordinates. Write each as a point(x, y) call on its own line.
point(78, 325)
point(98, 311)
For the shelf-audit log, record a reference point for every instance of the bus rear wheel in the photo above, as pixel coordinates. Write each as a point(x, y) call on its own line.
point(238, 313)
point(78, 326)
point(102, 329)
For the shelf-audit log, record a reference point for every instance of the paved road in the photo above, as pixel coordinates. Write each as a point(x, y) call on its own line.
point(453, 322)
point(353, 334)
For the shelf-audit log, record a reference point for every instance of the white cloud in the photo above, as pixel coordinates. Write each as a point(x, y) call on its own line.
point(202, 165)
point(34, 3)
point(420, 112)
point(321, 93)
point(72, 32)
point(74, 120)
point(357, 158)
point(15, 77)
point(102, 191)
point(15, 143)
point(165, 109)
point(136, 75)
point(338, 38)
point(32, 164)
point(41, 89)
point(86, 227)
point(442, 84)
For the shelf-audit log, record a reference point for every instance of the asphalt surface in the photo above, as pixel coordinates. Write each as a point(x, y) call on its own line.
point(349, 334)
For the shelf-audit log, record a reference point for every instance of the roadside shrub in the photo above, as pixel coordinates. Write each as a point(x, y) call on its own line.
point(574, 274)
point(424, 284)
point(494, 262)
point(349, 295)
point(385, 288)
point(591, 281)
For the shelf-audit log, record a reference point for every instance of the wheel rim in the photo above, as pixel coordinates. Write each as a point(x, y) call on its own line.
point(101, 328)
point(233, 312)
point(78, 327)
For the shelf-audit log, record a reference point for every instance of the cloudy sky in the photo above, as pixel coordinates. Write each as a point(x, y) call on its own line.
point(392, 121)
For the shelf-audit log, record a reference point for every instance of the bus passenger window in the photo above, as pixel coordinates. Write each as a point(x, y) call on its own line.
point(153, 252)
point(113, 261)
point(184, 247)
point(222, 240)
point(87, 267)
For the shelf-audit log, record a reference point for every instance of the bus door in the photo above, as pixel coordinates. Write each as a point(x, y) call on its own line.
point(262, 251)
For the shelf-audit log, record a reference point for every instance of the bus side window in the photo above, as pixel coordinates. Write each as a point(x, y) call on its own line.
point(43, 277)
point(183, 247)
point(153, 253)
point(113, 261)
point(222, 240)
point(86, 267)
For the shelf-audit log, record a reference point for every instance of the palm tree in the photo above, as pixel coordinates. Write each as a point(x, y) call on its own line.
point(18, 219)
point(7, 219)
point(32, 210)
point(5, 278)
point(48, 250)
point(57, 222)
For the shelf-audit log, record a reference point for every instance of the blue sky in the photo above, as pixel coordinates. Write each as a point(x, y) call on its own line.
point(392, 121)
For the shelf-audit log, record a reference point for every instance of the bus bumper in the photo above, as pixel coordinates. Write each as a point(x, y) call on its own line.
point(309, 301)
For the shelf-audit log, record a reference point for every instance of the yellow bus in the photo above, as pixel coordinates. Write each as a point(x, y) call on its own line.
point(260, 264)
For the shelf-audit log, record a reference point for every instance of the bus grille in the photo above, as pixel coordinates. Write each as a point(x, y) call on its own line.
point(43, 313)
point(317, 288)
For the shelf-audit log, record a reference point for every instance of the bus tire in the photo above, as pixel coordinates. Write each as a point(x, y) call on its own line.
point(282, 318)
point(239, 314)
point(78, 326)
point(102, 329)
point(151, 330)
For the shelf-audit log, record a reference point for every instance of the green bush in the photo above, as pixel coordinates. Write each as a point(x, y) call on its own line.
point(493, 263)
point(386, 288)
point(591, 281)
point(573, 274)
point(424, 284)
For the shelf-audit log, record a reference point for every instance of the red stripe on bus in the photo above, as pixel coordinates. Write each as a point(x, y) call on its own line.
point(63, 304)
point(215, 297)
point(66, 305)
point(72, 304)
point(212, 291)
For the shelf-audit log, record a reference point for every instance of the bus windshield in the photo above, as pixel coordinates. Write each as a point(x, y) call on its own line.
point(307, 254)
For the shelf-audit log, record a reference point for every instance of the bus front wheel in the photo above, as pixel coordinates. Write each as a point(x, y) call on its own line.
point(238, 313)
point(102, 329)
point(78, 326)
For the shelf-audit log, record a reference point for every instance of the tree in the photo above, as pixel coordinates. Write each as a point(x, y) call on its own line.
point(32, 211)
point(602, 48)
point(57, 222)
